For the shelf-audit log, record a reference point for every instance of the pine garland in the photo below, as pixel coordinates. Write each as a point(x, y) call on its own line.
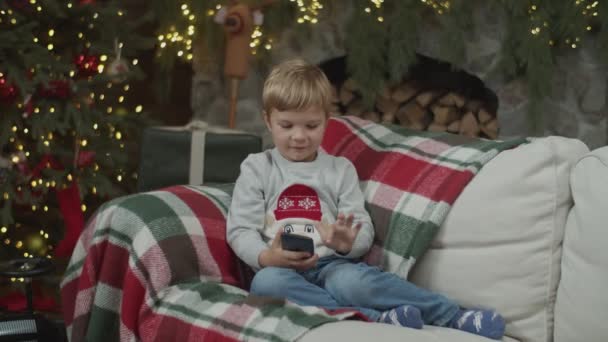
point(382, 36)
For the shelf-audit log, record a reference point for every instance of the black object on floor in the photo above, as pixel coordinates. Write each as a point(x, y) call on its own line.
point(28, 325)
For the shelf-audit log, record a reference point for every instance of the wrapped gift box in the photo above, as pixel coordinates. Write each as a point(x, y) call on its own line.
point(194, 154)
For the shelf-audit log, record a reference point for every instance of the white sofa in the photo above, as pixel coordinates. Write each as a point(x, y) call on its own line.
point(528, 237)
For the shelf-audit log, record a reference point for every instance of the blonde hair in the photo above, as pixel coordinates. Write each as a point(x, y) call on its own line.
point(296, 85)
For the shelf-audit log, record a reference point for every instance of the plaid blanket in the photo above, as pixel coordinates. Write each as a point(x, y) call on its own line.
point(410, 179)
point(156, 267)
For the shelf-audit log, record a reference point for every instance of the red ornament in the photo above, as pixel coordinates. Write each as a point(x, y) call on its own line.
point(85, 158)
point(8, 92)
point(57, 89)
point(86, 64)
point(23, 6)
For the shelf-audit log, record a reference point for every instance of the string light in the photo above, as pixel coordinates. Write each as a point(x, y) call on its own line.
point(181, 42)
point(308, 11)
point(440, 7)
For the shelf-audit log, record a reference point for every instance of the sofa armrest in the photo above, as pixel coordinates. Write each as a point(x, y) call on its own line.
point(582, 305)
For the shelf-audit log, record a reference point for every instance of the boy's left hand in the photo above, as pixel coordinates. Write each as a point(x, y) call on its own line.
point(340, 235)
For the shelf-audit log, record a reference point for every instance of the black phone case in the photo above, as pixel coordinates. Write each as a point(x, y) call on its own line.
point(297, 243)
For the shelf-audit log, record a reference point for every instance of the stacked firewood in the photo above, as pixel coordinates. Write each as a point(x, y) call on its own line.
point(415, 106)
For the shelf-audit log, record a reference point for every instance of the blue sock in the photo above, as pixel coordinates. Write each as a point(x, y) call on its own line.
point(486, 323)
point(404, 315)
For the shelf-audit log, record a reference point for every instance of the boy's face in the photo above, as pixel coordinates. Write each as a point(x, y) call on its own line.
point(297, 134)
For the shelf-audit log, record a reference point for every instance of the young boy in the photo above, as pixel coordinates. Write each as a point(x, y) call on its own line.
point(295, 188)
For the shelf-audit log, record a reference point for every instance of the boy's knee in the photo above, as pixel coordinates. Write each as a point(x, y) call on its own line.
point(266, 281)
point(352, 282)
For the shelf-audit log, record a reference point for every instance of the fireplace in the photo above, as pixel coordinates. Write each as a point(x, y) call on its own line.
point(432, 96)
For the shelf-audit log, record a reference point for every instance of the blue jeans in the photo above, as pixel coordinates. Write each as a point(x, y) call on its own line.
point(337, 283)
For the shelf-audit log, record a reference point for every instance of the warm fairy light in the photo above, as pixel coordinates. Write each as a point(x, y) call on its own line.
point(83, 142)
point(51, 32)
point(3, 230)
point(308, 11)
point(256, 39)
point(118, 135)
point(83, 208)
point(179, 40)
point(139, 108)
point(439, 6)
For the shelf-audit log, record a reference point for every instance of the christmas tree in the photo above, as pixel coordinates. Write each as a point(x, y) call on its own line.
point(67, 126)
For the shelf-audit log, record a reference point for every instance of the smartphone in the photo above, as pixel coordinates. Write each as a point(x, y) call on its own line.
point(297, 243)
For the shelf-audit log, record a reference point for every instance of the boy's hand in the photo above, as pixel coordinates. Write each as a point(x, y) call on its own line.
point(278, 257)
point(340, 235)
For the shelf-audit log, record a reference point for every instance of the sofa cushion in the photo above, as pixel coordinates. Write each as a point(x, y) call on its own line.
point(582, 304)
point(500, 245)
point(353, 331)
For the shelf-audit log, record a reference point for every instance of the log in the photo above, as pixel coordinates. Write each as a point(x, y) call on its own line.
point(491, 129)
point(452, 99)
point(454, 127)
point(346, 96)
point(412, 111)
point(444, 115)
point(419, 126)
point(425, 98)
point(469, 125)
point(351, 85)
point(404, 92)
point(484, 116)
point(356, 108)
point(435, 127)
point(385, 92)
point(472, 106)
point(372, 116)
point(388, 117)
point(386, 105)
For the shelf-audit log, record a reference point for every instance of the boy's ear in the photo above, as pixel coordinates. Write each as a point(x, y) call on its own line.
point(266, 117)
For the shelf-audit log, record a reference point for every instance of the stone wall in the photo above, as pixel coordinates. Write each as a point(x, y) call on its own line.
point(576, 107)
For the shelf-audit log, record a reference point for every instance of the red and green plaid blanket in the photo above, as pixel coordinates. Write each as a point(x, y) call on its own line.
point(156, 267)
point(410, 179)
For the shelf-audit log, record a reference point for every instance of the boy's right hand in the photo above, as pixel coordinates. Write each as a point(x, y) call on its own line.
point(278, 257)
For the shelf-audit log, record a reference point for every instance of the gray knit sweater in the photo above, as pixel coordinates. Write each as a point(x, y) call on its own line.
point(258, 203)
